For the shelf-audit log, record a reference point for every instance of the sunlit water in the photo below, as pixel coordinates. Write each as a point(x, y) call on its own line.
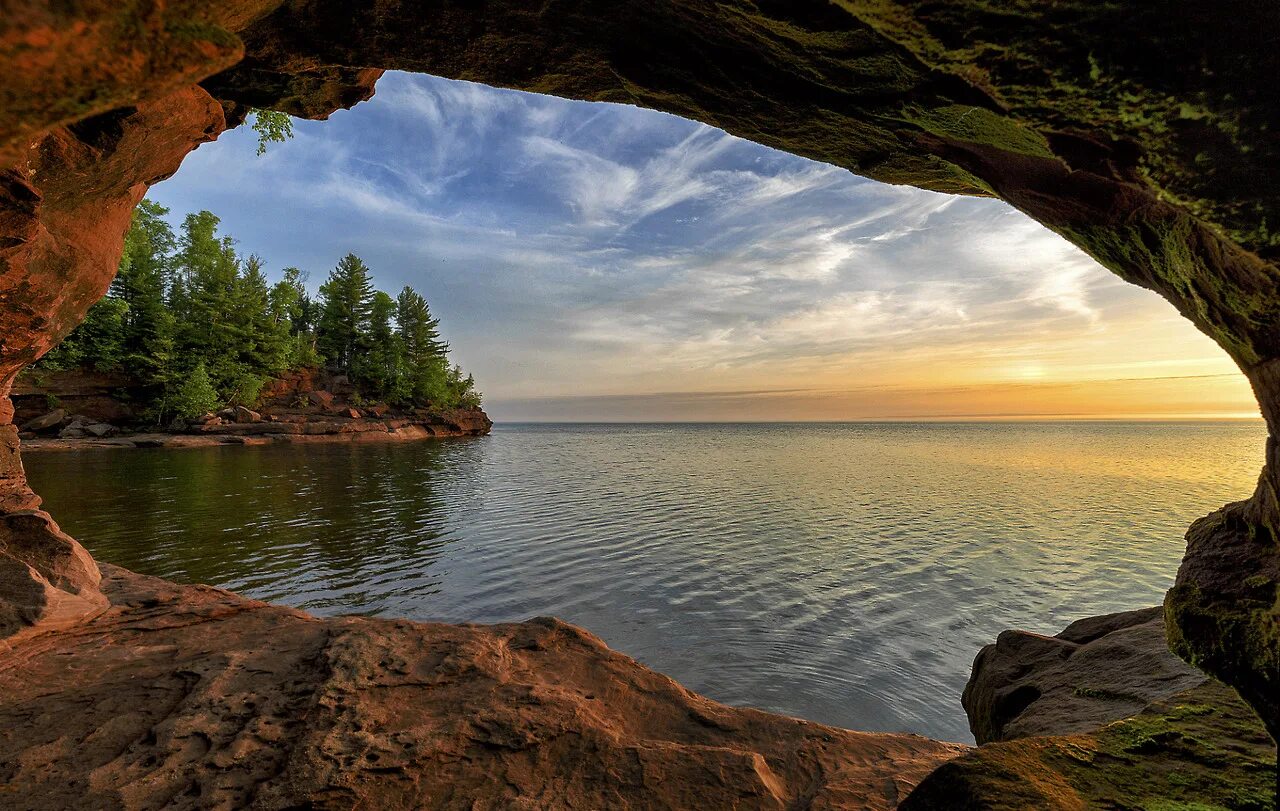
point(842, 573)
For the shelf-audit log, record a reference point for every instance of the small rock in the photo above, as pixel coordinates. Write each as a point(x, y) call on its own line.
point(73, 432)
point(379, 409)
point(51, 420)
point(101, 429)
point(243, 414)
point(353, 413)
point(321, 398)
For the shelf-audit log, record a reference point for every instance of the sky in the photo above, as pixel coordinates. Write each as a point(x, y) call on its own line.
point(603, 262)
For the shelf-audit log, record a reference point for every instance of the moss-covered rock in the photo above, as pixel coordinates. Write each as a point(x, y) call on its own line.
point(1202, 750)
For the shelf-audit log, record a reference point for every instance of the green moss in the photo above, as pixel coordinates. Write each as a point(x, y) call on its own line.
point(1103, 694)
point(197, 31)
point(979, 126)
point(1203, 749)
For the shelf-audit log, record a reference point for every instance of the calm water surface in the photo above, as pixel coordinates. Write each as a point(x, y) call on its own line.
point(842, 573)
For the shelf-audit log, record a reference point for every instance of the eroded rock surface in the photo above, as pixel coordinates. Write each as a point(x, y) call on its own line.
point(192, 697)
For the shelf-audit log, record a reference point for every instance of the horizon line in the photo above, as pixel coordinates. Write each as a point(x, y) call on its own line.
point(966, 419)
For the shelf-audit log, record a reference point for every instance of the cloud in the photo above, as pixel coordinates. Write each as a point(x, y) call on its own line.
point(574, 248)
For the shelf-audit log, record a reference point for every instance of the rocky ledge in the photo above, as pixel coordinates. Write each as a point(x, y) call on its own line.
point(192, 697)
point(1102, 715)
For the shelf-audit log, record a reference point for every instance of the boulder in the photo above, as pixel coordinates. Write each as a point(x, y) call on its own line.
point(321, 398)
point(1101, 715)
point(1096, 671)
point(101, 429)
point(243, 414)
point(43, 423)
point(74, 431)
point(228, 414)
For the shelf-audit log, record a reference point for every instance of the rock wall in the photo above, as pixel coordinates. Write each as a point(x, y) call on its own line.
point(1143, 132)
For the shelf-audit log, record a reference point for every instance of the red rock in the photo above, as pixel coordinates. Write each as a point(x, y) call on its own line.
point(321, 398)
point(247, 415)
point(192, 692)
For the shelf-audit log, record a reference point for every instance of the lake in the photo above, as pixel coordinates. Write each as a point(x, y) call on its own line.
point(844, 573)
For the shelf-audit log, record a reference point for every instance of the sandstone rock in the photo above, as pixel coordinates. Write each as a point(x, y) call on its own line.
point(187, 697)
point(378, 409)
point(228, 414)
point(50, 420)
point(321, 398)
point(243, 414)
point(101, 429)
point(76, 430)
point(350, 413)
point(46, 577)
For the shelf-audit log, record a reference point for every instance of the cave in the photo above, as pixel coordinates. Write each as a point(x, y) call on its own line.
point(1144, 134)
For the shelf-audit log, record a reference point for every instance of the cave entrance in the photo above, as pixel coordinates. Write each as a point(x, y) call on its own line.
point(603, 268)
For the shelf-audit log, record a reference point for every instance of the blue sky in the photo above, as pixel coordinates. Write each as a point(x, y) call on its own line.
point(593, 261)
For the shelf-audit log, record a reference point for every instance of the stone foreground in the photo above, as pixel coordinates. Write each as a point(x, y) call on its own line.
point(192, 697)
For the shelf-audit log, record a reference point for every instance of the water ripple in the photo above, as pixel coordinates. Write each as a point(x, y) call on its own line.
point(846, 574)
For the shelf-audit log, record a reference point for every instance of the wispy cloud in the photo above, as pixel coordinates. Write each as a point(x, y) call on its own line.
point(576, 248)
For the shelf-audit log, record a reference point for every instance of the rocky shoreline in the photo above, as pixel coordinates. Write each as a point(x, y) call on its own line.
point(92, 411)
point(436, 425)
point(184, 697)
point(174, 696)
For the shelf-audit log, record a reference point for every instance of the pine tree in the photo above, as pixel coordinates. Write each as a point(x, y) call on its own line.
point(197, 326)
point(378, 367)
point(290, 308)
point(346, 302)
point(264, 338)
point(206, 282)
point(143, 283)
point(418, 330)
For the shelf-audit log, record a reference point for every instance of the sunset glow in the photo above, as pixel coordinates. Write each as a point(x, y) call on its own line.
point(600, 262)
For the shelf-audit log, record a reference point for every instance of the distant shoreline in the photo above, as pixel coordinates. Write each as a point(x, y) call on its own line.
point(460, 423)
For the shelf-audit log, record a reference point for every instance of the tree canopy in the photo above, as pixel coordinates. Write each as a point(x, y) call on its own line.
point(198, 326)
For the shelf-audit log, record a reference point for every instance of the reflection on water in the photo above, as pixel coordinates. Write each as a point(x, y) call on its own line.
point(843, 573)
